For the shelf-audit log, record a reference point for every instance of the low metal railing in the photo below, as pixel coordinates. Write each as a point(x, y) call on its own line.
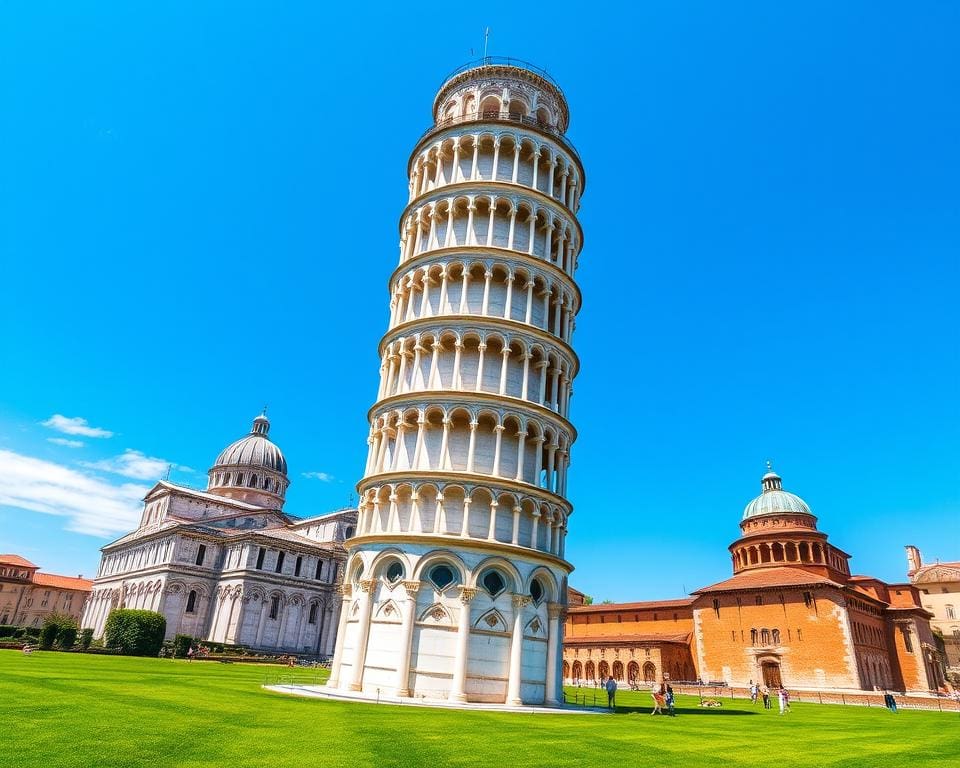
point(504, 61)
point(495, 116)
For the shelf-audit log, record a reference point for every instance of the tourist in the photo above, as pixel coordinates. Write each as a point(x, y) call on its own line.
point(784, 699)
point(890, 702)
point(765, 693)
point(669, 700)
point(657, 695)
point(611, 692)
point(190, 654)
point(754, 692)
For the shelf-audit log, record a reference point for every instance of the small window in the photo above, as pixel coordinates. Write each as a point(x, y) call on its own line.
point(191, 601)
point(260, 556)
point(753, 637)
point(349, 532)
point(279, 567)
point(907, 640)
point(950, 612)
point(201, 554)
point(240, 478)
point(441, 576)
point(267, 483)
point(536, 592)
point(716, 607)
point(312, 619)
point(252, 482)
point(296, 568)
point(493, 583)
point(274, 606)
point(764, 637)
point(319, 571)
point(807, 599)
point(394, 572)
point(759, 599)
point(776, 637)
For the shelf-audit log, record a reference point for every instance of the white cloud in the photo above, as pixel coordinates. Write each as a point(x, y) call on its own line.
point(92, 505)
point(327, 478)
point(64, 441)
point(135, 464)
point(74, 425)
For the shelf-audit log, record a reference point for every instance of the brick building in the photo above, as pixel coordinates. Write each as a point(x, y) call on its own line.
point(27, 596)
point(792, 613)
point(939, 585)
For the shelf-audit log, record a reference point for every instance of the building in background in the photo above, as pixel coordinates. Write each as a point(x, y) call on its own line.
point(791, 614)
point(27, 596)
point(939, 585)
point(227, 564)
point(457, 578)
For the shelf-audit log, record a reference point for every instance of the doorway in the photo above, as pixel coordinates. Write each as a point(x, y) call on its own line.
point(771, 674)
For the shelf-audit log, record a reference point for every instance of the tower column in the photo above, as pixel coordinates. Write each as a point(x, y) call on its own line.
point(516, 650)
point(409, 607)
point(458, 689)
point(363, 633)
point(334, 682)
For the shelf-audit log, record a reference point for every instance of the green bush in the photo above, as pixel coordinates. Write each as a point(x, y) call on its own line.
point(134, 632)
point(58, 629)
point(47, 635)
point(30, 633)
point(67, 637)
point(9, 630)
point(181, 644)
point(86, 637)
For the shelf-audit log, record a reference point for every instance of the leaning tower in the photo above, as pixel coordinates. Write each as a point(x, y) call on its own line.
point(456, 581)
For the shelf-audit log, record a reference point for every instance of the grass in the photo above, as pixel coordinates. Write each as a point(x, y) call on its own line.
point(63, 710)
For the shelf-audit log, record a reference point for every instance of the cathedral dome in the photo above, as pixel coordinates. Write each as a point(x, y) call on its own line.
point(252, 469)
point(774, 500)
point(255, 450)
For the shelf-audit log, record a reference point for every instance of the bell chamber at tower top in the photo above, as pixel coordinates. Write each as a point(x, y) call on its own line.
point(496, 170)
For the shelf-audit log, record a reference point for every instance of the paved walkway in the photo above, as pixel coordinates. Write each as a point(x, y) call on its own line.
point(321, 692)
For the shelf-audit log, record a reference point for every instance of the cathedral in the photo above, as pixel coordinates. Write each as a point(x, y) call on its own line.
point(791, 614)
point(227, 564)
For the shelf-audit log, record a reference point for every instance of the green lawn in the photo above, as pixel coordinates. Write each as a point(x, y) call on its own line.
point(61, 710)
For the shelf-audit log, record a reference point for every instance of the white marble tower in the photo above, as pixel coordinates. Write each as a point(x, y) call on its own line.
point(456, 580)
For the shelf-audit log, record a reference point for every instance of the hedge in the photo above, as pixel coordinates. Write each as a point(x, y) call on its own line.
point(134, 632)
point(58, 629)
point(86, 637)
point(181, 644)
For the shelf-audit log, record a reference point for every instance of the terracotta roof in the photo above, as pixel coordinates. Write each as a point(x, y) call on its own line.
point(680, 602)
point(683, 637)
point(768, 577)
point(61, 582)
point(17, 560)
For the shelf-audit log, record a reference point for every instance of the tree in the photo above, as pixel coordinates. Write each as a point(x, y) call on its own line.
point(587, 600)
point(58, 629)
point(134, 632)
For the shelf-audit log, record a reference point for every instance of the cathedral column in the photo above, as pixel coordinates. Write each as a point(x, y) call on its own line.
point(515, 538)
point(493, 214)
point(472, 444)
point(526, 373)
point(284, 614)
point(465, 527)
point(485, 306)
point(363, 633)
point(262, 621)
point(496, 158)
point(496, 451)
point(521, 440)
point(492, 531)
point(536, 165)
point(334, 681)
point(504, 366)
point(516, 650)
point(481, 348)
point(409, 607)
point(555, 612)
point(474, 165)
point(458, 687)
point(456, 161)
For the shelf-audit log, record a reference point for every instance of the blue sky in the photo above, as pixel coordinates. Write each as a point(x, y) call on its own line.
point(198, 215)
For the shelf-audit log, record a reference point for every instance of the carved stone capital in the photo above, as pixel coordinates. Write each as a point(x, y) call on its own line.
point(346, 590)
point(521, 601)
point(367, 585)
point(412, 587)
point(557, 611)
point(467, 594)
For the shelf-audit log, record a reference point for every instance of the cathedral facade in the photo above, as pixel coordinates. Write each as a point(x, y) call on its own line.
point(792, 613)
point(456, 580)
point(227, 564)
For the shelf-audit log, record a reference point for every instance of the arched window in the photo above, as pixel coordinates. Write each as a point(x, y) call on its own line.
point(239, 478)
point(442, 576)
point(348, 534)
point(536, 590)
point(493, 583)
point(764, 637)
point(267, 482)
point(252, 481)
point(753, 637)
point(950, 612)
point(394, 572)
point(191, 601)
point(312, 618)
point(274, 606)
point(776, 637)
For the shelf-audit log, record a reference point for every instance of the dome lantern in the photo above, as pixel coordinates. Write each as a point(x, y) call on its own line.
point(774, 500)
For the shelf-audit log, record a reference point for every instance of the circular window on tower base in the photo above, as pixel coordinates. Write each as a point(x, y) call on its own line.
point(493, 583)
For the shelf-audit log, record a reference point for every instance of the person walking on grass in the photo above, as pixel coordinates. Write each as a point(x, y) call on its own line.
point(657, 693)
point(765, 692)
point(669, 699)
point(890, 702)
point(784, 700)
point(611, 692)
